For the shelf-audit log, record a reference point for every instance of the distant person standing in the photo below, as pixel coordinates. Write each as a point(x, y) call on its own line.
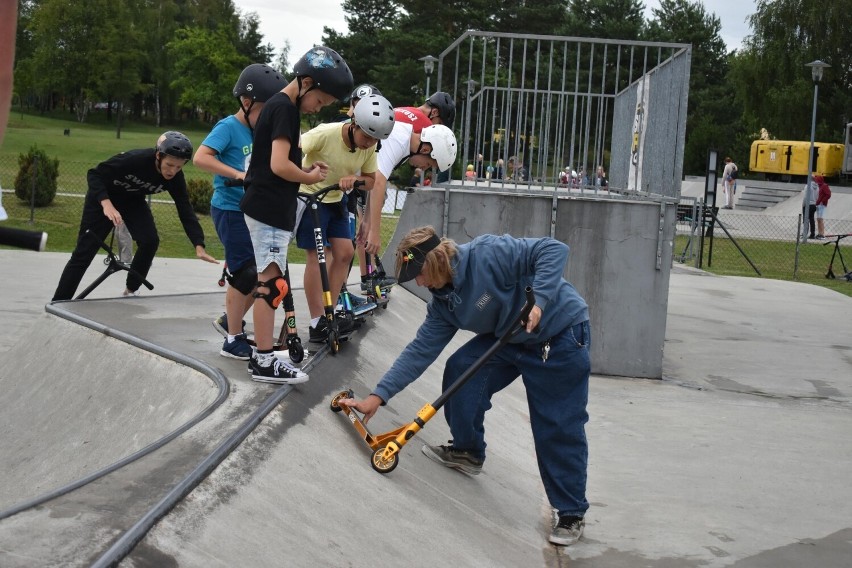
point(812, 192)
point(823, 195)
point(729, 181)
point(600, 178)
point(498, 169)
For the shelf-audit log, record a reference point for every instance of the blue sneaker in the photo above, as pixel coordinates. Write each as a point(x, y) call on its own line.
point(239, 348)
point(221, 325)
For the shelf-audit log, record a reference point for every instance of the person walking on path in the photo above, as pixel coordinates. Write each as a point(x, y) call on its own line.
point(118, 188)
point(479, 287)
point(729, 182)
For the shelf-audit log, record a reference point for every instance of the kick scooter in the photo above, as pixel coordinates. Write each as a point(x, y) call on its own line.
point(386, 446)
point(112, 265)
point(312, 201)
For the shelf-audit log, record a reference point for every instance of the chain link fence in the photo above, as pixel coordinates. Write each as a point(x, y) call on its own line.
point(761, 245)
point(61, 218)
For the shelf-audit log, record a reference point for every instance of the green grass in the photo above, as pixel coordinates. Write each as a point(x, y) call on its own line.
point(89, 144)
point(775, 259)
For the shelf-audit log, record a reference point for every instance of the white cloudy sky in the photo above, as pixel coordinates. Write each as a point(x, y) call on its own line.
point(302, 23)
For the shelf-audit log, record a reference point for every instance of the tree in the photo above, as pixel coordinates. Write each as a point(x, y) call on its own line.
point(771, 82)
point(282, 64)
point(250, 40)
point(67, 36)
point(711, 122)
point(119, 58)
point(608, 19)
point(206, 66)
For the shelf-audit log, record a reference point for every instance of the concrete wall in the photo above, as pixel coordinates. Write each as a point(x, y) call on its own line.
point(613, 260)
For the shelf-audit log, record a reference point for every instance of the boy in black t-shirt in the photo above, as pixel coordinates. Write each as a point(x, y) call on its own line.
point(271, 189)
point(117, 191)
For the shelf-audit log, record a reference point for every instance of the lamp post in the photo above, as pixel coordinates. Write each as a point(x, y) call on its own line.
point(428, 68)
point(817, 68)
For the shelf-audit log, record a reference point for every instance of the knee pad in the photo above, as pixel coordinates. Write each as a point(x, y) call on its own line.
point(278, 288)
point(244, 279)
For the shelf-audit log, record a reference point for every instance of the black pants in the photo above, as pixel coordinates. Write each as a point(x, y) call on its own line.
point(811, 222)
point(140, 222)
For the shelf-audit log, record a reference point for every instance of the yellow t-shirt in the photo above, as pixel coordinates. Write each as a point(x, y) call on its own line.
point(325, 144)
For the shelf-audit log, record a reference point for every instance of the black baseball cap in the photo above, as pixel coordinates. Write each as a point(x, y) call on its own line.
point(413, 259)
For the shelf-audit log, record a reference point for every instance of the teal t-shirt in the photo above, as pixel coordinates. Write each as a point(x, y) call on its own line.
point(232, 142)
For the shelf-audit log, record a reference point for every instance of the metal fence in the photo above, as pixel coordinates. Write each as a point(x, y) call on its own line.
point(539, 103)
point(760, 245)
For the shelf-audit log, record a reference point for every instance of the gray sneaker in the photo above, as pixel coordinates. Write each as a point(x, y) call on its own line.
point(456, 459)
point(568, 530)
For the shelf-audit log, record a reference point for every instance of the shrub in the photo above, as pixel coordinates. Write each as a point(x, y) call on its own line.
point(200, 192)
point(36, 164)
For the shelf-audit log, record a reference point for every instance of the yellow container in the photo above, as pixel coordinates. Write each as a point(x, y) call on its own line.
point(787, 158)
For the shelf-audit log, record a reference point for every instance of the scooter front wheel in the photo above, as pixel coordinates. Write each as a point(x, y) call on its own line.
point(381, 464)
point(294, 349)
point(335, 407)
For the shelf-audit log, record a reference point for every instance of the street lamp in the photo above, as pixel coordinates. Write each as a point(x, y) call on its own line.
point(817, 68)
point(428, 67)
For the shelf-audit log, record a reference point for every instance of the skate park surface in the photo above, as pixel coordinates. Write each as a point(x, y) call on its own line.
point(738, 457)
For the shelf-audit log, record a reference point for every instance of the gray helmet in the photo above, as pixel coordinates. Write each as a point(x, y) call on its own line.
point(375, 116)
point(173, 143)
point(329, 71)
point(259, 82)
point(362, 91)
point(445, 105)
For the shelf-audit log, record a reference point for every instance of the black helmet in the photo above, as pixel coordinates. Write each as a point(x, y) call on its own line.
point(173, 143)
point(259, 82)
point(445, 105)
point(329, 71)
point(364, 90)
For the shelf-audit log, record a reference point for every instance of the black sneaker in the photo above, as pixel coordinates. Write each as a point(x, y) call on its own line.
point(567, 531)
point(277, 372)
point(456, 459)
point(319, 334)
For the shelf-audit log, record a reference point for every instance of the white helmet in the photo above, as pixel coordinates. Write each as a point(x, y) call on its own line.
point(443, 143)
point(375, 116)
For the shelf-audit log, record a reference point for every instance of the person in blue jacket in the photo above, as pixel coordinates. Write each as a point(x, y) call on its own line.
point(479, 287)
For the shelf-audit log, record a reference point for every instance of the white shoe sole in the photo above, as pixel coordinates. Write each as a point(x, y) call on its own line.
point(279, 381)
point(224, 353)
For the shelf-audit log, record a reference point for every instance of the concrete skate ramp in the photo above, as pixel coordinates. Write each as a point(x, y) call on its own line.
point(75, 401)
point(301, 491)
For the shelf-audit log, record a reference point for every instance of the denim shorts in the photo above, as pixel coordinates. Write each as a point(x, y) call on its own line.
point(234, 234)
point(820, 212)
point(334, 221)
point(270, 244)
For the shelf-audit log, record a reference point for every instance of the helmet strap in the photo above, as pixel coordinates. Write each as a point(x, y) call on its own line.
point(246, 112)
point(300, 95)
point(351, 137)
point(405, 159)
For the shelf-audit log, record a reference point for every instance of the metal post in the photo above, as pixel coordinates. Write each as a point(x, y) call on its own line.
point(806, 200)
point(817, 68)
